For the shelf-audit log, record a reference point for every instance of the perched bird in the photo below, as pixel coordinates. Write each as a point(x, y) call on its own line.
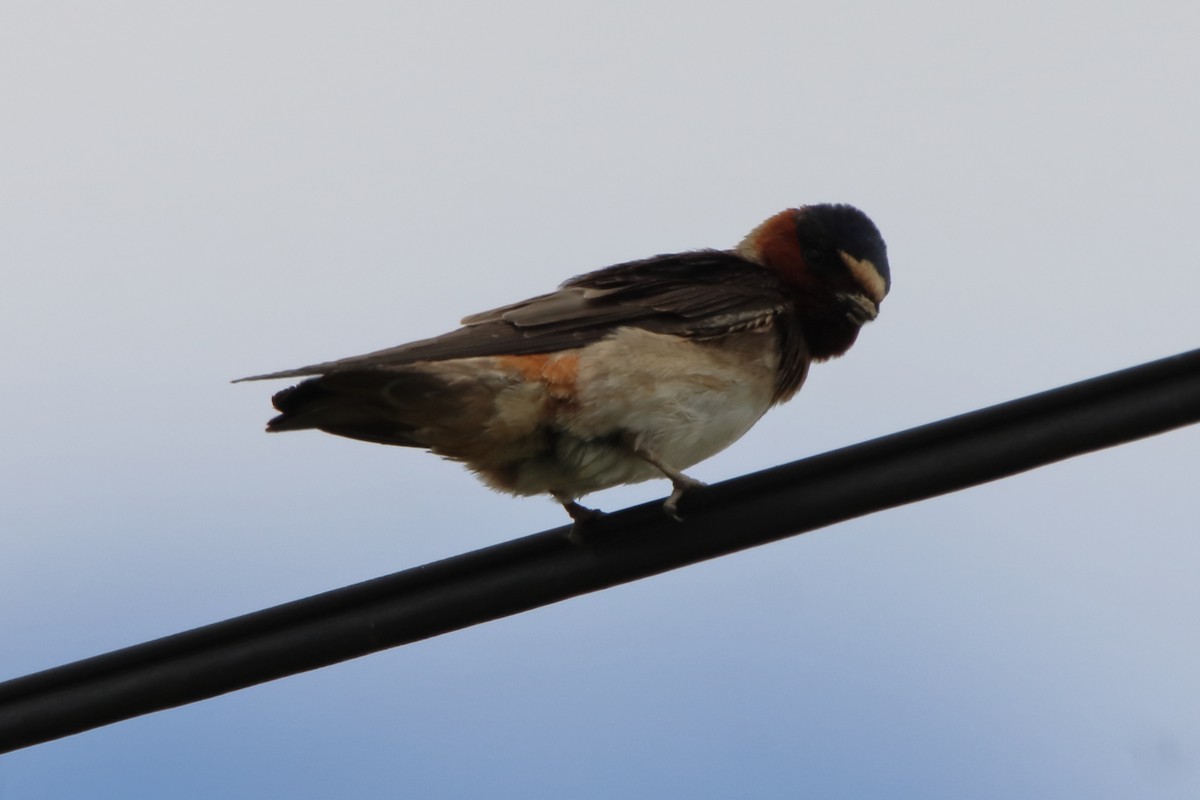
point(628, 373)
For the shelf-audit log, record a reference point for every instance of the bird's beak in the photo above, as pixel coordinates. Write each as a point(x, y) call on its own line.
point(859, 308)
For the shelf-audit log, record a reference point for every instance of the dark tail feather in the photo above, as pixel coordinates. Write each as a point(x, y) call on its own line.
point(373, 406)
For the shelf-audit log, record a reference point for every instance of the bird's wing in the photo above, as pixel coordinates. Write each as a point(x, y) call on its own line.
point(697, 295)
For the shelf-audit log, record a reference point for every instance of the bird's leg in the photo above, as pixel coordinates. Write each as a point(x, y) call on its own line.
point(582, 515)
point(681, 483)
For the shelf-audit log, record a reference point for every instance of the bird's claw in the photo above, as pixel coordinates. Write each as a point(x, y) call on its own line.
point(583, 518)
point(683, 485)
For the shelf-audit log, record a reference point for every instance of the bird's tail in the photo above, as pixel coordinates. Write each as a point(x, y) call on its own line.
point(414, 405)
point(385, 406)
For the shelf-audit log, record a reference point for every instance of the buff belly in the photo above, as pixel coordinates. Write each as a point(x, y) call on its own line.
point(568, 423)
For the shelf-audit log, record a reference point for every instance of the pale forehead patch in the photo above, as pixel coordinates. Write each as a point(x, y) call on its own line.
point(868, 277)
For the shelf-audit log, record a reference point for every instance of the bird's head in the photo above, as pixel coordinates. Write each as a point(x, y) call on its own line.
point(835, 262)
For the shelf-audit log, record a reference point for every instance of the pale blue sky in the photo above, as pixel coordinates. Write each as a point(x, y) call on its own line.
point(191, 192)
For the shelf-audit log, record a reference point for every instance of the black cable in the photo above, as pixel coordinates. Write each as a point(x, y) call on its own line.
point(544, 568)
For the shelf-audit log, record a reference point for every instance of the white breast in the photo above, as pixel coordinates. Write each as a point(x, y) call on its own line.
point(682, 399)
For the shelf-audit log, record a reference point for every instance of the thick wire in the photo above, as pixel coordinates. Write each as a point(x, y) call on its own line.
point(635, 543)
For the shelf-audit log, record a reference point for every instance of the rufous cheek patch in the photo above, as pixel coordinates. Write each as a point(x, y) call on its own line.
point(774, 244)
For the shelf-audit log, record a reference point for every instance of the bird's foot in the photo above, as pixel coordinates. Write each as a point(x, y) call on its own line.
point(683, 484)
point(583, 518)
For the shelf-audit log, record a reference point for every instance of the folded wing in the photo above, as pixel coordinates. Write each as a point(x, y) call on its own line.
point(696, 295)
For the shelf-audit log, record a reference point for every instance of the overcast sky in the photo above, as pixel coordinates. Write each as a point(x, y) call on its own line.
point(192, 192)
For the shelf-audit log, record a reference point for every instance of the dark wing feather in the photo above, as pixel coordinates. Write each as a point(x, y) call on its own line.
point(698, 295)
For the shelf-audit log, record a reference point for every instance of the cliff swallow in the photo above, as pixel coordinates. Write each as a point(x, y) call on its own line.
point(631, 372)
